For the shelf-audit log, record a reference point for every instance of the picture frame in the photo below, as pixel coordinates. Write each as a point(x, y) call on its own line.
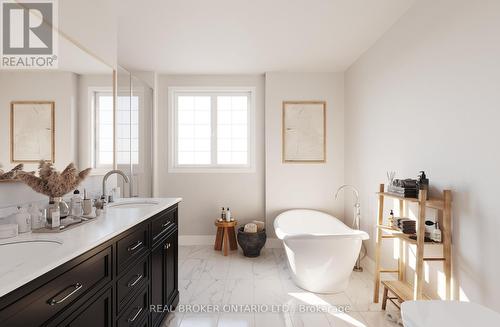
point(304, 132)
point(32, 131)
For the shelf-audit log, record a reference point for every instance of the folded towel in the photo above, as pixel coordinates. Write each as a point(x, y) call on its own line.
point(260, 225)
point(250, 228)
point(406, 183)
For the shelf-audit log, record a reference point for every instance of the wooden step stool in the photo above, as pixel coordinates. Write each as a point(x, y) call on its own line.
point(225, 236)
point(402, 292)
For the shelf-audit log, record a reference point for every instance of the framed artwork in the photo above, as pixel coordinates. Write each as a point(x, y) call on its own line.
point(32, 131)
point(304, 132)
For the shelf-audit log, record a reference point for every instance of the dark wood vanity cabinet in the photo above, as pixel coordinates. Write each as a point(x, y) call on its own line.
point(164, 273)
point(112, 285)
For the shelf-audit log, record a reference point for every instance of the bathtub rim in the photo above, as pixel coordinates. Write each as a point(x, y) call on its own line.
point(354, 234)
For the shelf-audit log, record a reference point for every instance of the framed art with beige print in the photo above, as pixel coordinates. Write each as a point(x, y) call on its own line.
point(32, 131)
point(304, 132)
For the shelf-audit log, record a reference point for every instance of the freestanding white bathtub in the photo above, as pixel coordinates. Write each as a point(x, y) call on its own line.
point(321, 250)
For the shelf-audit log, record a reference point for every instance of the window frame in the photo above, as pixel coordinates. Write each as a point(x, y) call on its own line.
point(95, 92)
point(213, 92)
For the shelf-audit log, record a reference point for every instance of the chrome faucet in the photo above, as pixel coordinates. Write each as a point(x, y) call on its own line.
point(356, 221)
point(357, 206)
point(105, 178)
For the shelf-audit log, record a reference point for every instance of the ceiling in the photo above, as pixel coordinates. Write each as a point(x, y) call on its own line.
point(250, 36)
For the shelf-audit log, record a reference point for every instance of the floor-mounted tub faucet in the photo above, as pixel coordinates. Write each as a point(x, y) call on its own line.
point(357, 217)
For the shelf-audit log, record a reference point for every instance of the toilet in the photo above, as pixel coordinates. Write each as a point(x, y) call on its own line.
point(447, 313)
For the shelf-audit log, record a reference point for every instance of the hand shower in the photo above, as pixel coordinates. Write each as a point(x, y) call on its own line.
point(356, 219)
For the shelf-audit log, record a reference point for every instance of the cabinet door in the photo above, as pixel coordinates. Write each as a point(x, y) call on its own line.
point(171, 270)
point(157, 280)
point(164, 271)
point(96, 312)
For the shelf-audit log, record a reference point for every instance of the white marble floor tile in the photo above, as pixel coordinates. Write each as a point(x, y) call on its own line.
point(240, 268)
point(186, 290)
point(377, 319)
point(203, 252)
point(239, 291)
point(191, 269)
point(208, 292)
point(309, 320)
point(215, 268)
point(348, 319)
point(184, 252)
point(266, 269)
point(199, 320)
point(173, 320)
point(207, 277)
point(269, 291)
point(236, 320)
point(360, 292)
point(273, 320)
point(340, 301)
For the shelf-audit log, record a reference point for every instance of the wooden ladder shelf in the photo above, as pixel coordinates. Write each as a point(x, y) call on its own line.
point(401, 288)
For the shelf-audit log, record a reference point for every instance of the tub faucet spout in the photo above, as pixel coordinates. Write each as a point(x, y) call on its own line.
point(357, 217)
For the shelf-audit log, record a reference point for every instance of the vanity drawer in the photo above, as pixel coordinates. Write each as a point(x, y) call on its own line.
point(131, 247)
point(164, 222)
point(52, 298)
point(134, 314)
point(132, 280)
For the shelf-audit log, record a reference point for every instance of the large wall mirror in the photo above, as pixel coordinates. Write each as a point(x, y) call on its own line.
point(58, 114)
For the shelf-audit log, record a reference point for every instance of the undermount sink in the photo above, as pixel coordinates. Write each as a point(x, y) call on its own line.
point(15, 252)
point(18, 245)
point(133, 204)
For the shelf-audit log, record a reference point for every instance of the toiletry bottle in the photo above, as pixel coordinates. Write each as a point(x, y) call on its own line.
point(228, 214)
point(76, 204)
point(223, 214)
point(87, 204)
point(436, 234)
point(36, 217)
point(55, 215)
point(23, 220)
point(391, 219)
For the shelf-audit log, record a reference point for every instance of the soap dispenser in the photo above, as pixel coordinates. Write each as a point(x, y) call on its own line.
point(436, 234)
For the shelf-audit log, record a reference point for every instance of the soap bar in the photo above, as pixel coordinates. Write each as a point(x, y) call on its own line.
point(8, 230)
point(250, 228)
point(260, 225)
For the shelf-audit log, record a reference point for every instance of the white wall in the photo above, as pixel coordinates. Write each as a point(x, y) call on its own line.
point(62, 89)
point(304, 185)
point(426, 97)
point(93, 25)
point(205, 193)
point(72, 123)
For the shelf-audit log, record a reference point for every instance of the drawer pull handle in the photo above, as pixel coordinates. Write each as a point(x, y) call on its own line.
point(132, 284)
point(134, 247)
point(166, 224)
point(136, 315)
point(76, 287)
point(166, 246)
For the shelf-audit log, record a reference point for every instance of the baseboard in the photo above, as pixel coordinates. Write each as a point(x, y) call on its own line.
point(274, 243)
point(186, 240)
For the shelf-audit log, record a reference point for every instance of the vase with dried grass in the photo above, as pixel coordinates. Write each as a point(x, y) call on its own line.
point(52, 183)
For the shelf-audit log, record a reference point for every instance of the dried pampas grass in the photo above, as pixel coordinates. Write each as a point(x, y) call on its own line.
point(51, 182)
point(12, 174)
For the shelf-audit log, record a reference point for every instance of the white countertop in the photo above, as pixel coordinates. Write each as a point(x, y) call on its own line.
point(32, 260)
